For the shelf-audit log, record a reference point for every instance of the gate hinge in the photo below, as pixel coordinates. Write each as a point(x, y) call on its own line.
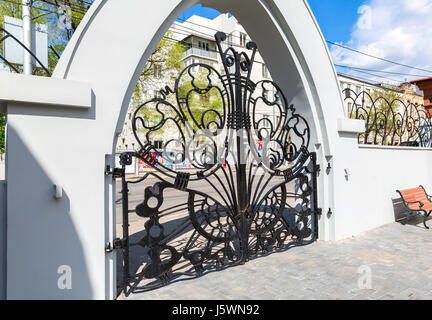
point(116, 172)
point(319, 212)
point(117, 244)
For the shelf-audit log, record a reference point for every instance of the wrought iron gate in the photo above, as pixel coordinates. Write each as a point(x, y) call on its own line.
point(252, 183)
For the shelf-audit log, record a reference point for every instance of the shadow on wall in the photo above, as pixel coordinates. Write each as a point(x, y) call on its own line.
point(42, 242)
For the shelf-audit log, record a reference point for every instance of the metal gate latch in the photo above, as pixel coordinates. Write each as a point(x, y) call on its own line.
point(116, 172)
point(118, 244)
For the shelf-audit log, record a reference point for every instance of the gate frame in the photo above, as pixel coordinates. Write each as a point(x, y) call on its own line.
point(295, 162)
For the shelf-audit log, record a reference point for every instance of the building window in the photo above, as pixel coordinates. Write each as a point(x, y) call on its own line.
point(358, 90)
point(158, 144)
point(266, 121)
point(265, 72)
point(157, 71)
point(277, 97)
point(242, 39)
point(203, 45)
point(230, 39)
point(266, 94)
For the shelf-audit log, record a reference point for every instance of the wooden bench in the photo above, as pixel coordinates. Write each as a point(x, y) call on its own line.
point(416, 201)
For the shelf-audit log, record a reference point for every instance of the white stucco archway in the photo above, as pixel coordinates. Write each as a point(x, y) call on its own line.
point(77, 126)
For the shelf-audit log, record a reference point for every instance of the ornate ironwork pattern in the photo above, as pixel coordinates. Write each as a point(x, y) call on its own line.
point(259, 173)
point(389, 122)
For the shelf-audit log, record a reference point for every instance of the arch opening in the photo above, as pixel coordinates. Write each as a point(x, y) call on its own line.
point(168, 99)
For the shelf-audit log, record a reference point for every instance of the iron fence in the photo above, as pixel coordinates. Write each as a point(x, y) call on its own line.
point(389, 122)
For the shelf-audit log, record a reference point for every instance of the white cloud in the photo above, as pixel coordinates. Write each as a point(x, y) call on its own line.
point(397, 30)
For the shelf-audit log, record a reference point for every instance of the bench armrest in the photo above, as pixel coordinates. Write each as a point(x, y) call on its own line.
point(412, 202)
point(427, 195)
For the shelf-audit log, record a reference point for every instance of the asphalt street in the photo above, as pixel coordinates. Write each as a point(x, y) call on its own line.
point(172, 197)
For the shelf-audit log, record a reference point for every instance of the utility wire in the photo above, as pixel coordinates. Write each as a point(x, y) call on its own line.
point(375, 75)
point(42, 9)
point(357, 69)
point(20, 4)
point(331, 42)
point(203, 26)
point(359, 77)
point(70, 5)
point(375, 57)
point(380, 71)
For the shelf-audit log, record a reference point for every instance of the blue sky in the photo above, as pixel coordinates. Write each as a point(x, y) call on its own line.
point(325, 11)
point(336, 18)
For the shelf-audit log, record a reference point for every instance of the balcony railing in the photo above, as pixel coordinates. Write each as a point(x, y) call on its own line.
point(200, 52)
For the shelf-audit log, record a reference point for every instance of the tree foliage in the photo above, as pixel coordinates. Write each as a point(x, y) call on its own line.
point(167, 57)
point(383, 115)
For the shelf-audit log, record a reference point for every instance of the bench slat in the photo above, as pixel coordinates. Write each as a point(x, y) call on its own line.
point(415, 195)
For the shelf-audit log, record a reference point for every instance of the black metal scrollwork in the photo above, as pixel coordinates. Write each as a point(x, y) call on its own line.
point(251, 188)
point(389, 122)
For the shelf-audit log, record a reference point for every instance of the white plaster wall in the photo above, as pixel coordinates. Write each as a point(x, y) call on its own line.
point(72, 147)
point(376, 172)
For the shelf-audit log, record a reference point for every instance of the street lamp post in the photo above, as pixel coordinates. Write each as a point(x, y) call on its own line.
point(27, 39)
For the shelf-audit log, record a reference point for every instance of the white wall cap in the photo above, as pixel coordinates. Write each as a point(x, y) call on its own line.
point(354, 126)
point(46, 91)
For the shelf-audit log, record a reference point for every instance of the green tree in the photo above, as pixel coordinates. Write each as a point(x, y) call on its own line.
point(197, 112)
point(166, 58)
point(383, 116)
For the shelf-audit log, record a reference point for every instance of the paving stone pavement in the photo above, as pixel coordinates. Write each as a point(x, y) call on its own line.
point(399, 258)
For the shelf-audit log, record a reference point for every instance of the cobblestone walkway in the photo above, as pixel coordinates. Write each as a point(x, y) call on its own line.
point(399, 258)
